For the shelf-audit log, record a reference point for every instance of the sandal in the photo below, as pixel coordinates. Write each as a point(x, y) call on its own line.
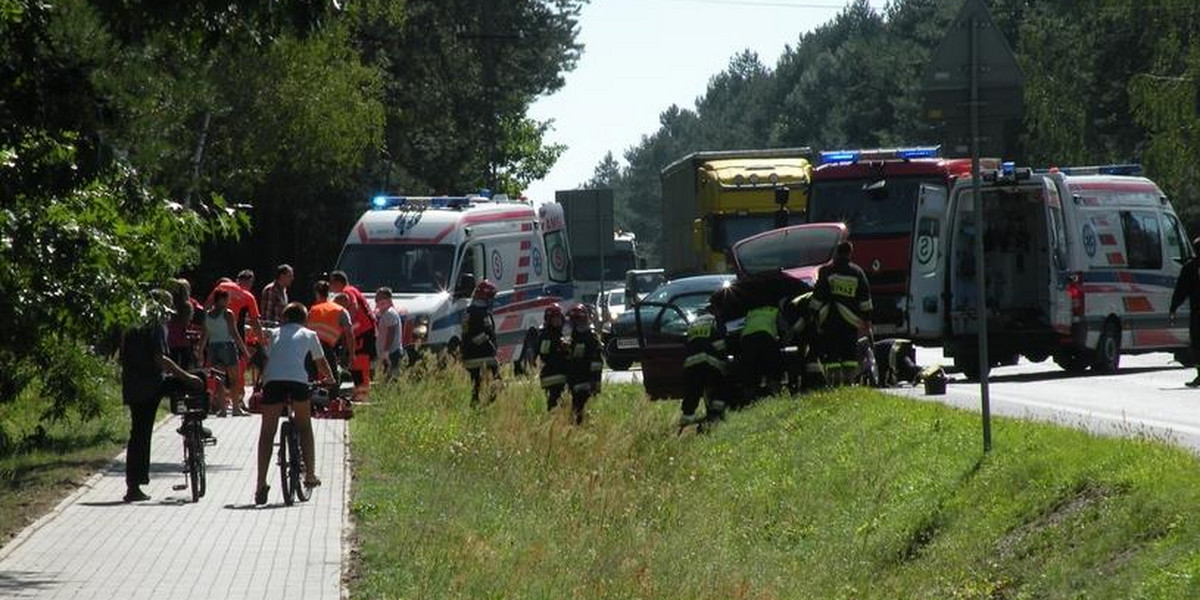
point(260, 496)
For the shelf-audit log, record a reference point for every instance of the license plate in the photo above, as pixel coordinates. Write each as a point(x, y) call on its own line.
point(627, 343)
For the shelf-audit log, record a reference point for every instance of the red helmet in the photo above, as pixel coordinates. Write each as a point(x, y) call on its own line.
point(578, 315)
point(485, 290)
point(554, 311)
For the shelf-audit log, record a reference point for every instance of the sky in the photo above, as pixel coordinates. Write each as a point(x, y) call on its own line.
point(641, 56)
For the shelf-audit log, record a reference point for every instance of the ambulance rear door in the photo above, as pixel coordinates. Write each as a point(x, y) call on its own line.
point(1060, 259)
point(926, 312)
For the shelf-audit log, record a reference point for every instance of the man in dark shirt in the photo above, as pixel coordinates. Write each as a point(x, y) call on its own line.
point(1187, 287)
point(144, 363)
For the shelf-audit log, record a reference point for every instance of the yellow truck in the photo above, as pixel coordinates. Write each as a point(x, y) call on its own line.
point(712, 200)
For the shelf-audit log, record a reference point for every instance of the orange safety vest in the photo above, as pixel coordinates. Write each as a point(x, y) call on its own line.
point(326, 319)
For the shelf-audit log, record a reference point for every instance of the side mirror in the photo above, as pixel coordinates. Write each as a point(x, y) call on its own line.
point(465, 286)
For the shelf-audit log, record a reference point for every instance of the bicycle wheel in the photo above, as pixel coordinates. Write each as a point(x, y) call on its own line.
point(285, 479)
point(297, 468)
point(195, 458)
point(201, 463)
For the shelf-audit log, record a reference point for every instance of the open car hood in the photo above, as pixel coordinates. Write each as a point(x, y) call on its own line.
point(797, 251)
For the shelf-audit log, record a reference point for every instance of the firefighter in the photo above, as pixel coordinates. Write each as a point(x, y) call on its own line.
point(798, 313)
point(1187, 287)
point(584, 363)
point(897, 360)
point(759, 358)
point(842, 301)
point(704, 367)
point(552, 351)
point(479, 339)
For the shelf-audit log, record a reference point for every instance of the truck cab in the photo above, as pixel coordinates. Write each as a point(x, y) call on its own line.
point(712, 200)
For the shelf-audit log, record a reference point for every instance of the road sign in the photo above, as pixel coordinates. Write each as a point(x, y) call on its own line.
point(946, 85)
point(973, 81)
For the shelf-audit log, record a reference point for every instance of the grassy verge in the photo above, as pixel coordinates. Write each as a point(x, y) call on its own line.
point(40, 463)
point(848, 494)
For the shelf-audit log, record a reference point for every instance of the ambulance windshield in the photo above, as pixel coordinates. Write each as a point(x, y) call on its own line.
point(406, 268)
point(885, 210)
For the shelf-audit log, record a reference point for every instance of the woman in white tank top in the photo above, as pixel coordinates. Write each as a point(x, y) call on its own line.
point(221, 345)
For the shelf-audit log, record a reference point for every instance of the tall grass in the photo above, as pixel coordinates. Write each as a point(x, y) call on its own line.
point(846, 494)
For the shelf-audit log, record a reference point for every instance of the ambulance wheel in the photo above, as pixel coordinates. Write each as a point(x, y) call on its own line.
point(525, 363)
point(968, 365)
point(1071, 363)
point(1037, 357)
point(1108, 348)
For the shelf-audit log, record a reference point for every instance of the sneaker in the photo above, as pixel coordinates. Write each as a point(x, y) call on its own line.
point(1194, 383)
point(260, 496)
point(135, 494)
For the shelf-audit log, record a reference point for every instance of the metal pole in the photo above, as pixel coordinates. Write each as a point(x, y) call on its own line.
point(600, 220)
point(980, 279)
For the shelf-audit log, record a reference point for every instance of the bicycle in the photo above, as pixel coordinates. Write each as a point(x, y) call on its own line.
point(291, 459)
point(192, 406)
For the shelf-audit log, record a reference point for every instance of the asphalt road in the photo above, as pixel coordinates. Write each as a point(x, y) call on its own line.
point(1146, 397)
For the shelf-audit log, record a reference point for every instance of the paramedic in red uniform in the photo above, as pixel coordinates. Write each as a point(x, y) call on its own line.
point(364, 332)
point(1187, 287)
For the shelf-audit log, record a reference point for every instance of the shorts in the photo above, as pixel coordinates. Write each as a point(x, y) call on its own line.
point(278, 392)
point(222, 354)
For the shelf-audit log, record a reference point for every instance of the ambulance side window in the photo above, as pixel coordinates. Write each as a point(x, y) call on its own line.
point(1143, 240)
point(1060, 237)
point(1177, 245)
point(473, 262)
point(558, 257)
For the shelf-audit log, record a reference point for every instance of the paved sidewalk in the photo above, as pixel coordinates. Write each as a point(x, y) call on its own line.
point(95, 546)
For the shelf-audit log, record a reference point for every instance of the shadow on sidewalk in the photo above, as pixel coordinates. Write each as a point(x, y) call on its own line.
point(256, 506)
point(24, 581)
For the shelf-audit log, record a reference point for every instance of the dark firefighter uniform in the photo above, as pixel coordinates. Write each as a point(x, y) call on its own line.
point(704, 368)
point(552, 351)
point(897, 361)
point(1187, 287)
point(584, 364)
point(803, 367)
point(759, 359)
point(842, 301)
point(479, 346)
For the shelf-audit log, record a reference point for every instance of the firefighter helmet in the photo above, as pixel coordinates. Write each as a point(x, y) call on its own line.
point(485, 290)
point(554, 311)
point(578, 315)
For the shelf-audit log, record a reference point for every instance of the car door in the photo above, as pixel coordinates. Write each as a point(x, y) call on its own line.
point(926, 313)
point(662, 340)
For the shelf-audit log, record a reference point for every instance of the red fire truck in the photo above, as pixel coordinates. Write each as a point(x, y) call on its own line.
point(880, 195)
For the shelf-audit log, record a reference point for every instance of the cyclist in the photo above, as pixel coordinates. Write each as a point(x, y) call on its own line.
point(222, 346)
point(285, 380)
point(332, 324)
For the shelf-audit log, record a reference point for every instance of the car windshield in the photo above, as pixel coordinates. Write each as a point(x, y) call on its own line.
point(788, 249)
point(644, 283)
point(731, 229)
point(886, 210)
point(406, 268)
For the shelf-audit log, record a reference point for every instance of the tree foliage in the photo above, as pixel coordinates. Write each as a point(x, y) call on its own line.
point(1106, 81)
point(143, 139)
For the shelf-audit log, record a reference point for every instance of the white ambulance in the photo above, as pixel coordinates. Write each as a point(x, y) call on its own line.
point(1080, 265)
point(432, 251)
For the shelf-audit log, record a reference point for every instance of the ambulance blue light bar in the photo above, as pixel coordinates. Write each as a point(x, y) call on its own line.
point(853, 156)
point(394, 202)
point(1125, 169)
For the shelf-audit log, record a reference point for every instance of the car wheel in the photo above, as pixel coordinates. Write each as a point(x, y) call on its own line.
point(1072, 362)
point(1108, 349)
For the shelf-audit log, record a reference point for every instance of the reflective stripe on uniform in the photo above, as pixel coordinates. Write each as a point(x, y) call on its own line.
point(719, 345)
point(813, 367)
point(553, 380)
point(545, 348)
point(698, 358)
point(717, 363)
point(581, 387)
point(597, 366)
point(848, 315)
point(762, 320)
point(479, 338)
point(865, 306)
